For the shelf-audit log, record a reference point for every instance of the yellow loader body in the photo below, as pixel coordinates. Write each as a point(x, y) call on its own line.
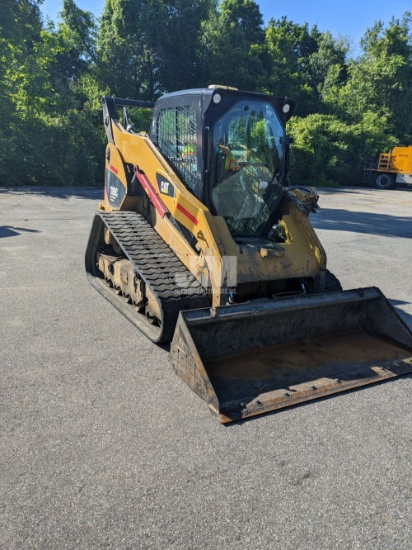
point(220, 258)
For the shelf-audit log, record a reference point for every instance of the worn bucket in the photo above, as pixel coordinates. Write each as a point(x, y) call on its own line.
point(252, 358)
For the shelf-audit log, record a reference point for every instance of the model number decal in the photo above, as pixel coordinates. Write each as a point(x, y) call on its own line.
point(113, 193)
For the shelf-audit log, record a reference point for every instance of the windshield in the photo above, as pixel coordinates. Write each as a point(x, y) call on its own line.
point(249, 154)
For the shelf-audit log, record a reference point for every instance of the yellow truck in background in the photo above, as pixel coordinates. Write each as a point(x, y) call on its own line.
point(387, 170)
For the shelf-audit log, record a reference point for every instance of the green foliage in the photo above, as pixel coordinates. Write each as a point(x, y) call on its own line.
point(232, 45)
point(380, 79)
point(80, 30)
point(327, 151)
point(180, 47)
point(49, 132)
point(128, 48)
point(19, 36)
point(52, 79)
point(303, 62)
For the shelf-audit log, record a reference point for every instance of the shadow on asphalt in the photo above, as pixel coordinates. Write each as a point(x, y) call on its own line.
point(11, 231)
point(362, 222)
point(58, 192)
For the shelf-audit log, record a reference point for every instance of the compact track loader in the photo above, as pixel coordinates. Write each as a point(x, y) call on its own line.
point(200, 240)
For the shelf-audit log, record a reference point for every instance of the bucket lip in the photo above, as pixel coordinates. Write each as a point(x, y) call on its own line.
point(267, 306)
point(240, 409)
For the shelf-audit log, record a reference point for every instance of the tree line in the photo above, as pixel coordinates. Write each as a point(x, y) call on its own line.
point(53, 77)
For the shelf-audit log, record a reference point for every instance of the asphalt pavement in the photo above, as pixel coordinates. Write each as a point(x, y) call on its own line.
point(103, 446)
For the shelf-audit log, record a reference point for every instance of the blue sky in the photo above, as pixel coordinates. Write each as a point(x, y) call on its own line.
point(348, 18)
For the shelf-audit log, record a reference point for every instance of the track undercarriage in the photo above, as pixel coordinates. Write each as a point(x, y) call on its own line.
point(137, 272)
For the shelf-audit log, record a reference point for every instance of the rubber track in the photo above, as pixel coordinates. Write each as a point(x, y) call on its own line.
point(159, 267)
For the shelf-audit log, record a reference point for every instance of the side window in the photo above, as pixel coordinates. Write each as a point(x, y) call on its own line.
point(176, 138)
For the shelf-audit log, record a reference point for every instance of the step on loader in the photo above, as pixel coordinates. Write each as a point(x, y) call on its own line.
point(201, 241)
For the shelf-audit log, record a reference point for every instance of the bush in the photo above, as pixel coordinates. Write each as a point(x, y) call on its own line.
point(327, 151)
